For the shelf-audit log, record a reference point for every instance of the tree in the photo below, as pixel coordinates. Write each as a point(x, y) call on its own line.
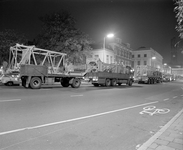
point(9, 38)
point(60, 34)
point(179, 15)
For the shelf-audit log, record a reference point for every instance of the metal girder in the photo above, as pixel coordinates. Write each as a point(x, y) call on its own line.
point(21, 54)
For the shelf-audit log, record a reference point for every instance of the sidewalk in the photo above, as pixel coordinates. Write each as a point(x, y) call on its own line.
point(170, 137)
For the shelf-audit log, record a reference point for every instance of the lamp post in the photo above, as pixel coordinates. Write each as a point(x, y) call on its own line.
point(108, 36)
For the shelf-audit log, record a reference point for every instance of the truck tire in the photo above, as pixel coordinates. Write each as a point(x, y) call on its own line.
point(65, 82)
point(130, 83)
point(96, 84)
point(113, 83)
point(107, 82)
point(35, 83)
point(76, 83)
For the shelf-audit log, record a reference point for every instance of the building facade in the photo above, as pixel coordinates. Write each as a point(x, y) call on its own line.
point(147, 56)
point(114, 52)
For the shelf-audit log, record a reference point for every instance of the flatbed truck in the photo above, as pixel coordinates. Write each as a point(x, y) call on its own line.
point(148, 74)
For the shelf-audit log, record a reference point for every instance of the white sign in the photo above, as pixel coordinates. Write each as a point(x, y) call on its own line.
point(151, 110)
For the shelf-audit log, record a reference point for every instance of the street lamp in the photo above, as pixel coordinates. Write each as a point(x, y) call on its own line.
point(108, 36)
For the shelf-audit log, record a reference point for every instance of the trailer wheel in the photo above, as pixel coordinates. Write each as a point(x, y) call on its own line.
point(76, 83)
point(107, 82)
point(119, 84)
point(64, 82)
point(113, 82)
point(35, 83)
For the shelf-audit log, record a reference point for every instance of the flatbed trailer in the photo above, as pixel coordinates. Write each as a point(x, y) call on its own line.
point(34, 77)
point(109, 78)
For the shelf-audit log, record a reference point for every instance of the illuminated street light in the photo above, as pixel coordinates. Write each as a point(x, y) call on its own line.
point(153, 57)
point(165, 64)
point(108, 36)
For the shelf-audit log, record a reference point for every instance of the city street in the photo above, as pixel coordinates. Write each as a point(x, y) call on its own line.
point(86, 118)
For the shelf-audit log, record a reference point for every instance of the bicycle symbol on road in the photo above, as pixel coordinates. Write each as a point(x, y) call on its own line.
point(151, 110)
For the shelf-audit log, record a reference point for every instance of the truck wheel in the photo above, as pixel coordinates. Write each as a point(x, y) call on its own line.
point(76, 83)
point(96, 84)
point(35, 83)
point(130, 83)
point(113, 82)
point(64, 82)
point(107, 82)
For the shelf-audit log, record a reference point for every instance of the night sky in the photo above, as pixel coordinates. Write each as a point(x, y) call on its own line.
point(149, 23)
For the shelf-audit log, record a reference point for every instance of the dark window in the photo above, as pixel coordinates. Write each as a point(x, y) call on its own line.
point(145, 63)
point(138, 55)
point(132, 56)
point(138, 63)
point(145, 55)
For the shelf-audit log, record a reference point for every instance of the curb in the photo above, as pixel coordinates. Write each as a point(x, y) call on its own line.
point(154, 137)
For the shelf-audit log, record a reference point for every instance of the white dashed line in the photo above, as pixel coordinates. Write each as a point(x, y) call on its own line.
point(166, 99)
point(76, 119)
point(76, 95)
point(10, 100)
point(175, 96)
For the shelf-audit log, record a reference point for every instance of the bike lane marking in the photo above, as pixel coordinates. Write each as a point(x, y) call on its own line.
point(75, 119)
point(151, 110)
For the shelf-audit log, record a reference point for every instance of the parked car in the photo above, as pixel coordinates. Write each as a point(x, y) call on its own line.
point(1, 77)
point(11, 78)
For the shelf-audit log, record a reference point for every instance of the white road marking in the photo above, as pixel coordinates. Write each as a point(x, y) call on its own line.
point(166, 99)
point(76, 95)
point(181, 95)
point(151, 110)
point(75, 119)
point(10, 100)
point(175, 96)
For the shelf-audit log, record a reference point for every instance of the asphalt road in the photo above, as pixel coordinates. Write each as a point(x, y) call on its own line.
point(87, 118)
